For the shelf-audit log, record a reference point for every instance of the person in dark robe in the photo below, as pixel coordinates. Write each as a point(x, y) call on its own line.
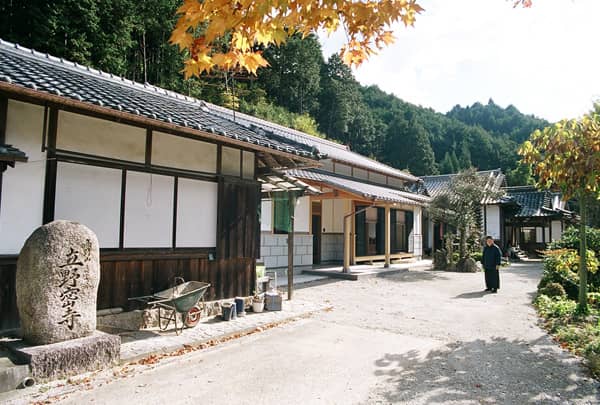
point(492, 257)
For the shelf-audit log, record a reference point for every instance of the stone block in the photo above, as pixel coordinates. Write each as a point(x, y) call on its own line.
point(298, 260)
point(265, 251)
point(307, 259)
point(57, 279)
point(282, 240)
point(270, 261)
point(75, 356)
point(270, 240)
point(282, 261)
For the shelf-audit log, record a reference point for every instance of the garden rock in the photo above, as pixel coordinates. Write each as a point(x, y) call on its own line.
point(57, 279)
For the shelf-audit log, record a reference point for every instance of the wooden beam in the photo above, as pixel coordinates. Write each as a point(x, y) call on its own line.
point(51, 168)
point(3, 120)
point(290, 269)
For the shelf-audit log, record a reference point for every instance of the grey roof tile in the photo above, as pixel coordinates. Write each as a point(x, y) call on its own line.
point(367, 190)
point(326, 147)
point(44, 73)
point(437, 185)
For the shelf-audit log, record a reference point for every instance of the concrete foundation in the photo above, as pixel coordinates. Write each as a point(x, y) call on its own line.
point(71, 357)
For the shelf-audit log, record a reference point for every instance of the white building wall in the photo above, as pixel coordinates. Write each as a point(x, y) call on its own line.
point(493, 221)
point(538, 235)
point(184, 153)
point(417, 233)
point(266, 215)
point(302, 215)
point(342, 169)
point(79, 133)
point(92, 196)
point(22, 203)
point(556, 230)
point(196, 227)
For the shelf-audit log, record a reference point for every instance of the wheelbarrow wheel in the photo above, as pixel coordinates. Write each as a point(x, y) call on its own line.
point(193, 316)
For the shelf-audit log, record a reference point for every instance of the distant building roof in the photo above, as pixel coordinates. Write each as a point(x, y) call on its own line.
point(42, 73)
point(331, 149)
point(437, 185)
point(535, 203)
point(366, 190)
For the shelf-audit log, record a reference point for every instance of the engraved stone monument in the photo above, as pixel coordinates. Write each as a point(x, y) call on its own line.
point(58, 273)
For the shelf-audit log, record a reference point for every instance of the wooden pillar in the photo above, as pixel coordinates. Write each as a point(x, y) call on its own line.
point(387, 235)
point(290, 269)
point(347, 253)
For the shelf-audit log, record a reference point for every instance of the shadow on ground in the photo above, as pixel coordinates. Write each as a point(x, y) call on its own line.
point(481, 371)
point(413, 276)
point(471, 295)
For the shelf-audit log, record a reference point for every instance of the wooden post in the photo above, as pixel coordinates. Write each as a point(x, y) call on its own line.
point(347, 221)
point(387, 235)
point(290, 269)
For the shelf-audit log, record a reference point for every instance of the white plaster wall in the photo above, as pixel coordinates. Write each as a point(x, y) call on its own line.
point(327, 216)
point(361, 174)
point(547, 234)
point(377, 178)
point(148, 210)
point(94, 136)
point(327, 165)
point(183, 153)
point(493, 221)
point(556, 230)
point(538, 235)
point(394, 182)
point(230, 161)
point(302, 215)
point(196, 213)
point(417, 231)
point(266, 215)
point(92, 196)
point(248, 165)
point(340, 208)
point(22, 186)
point(343, 169)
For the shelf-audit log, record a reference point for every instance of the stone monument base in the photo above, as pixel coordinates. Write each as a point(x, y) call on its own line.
point(71, 357)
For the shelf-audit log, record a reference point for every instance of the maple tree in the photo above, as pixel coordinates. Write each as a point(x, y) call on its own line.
point(566, 156)
point(229, 34)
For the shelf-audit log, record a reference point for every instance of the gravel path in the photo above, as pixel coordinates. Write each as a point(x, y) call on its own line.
point(418, 337)
point(491, 348)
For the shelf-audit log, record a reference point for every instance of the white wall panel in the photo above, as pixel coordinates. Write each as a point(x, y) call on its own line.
point(377, 178)
point(183, 153)
point(327, 216)
point(361, 174)
point(92, 196)
point(493, 221)
point(266, 215)
point(230, 161)
point(340, 208)
point(196, 213)
point(148, 210)
point(302, 215)
point(94, 136)
point(556, 230)
point(343, 169)
point(22, 186)
point(248, 165)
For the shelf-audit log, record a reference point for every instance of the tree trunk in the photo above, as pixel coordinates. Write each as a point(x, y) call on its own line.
point(583, 256)
point(463, 243)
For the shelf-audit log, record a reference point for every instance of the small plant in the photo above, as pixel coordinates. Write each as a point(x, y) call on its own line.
point(257, 297)
point(553, 290)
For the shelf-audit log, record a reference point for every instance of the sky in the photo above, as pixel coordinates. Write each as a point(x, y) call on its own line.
point(545, 60)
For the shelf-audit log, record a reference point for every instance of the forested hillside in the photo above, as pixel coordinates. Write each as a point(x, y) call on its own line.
point(299, 89)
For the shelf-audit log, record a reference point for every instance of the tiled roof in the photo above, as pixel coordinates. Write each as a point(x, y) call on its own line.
point(47, 74)
point(534, 203)
point(437, 185)
point(8, 153)
point(331, 149)
point(367, 190)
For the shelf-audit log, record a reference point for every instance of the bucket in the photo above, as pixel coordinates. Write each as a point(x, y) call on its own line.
point(239, 307)
point(228, 311)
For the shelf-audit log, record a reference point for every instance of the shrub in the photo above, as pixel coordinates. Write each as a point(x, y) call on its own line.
point(562, 266)
point(556, 307)
point(477, 256)
point(553, 290)
point(593, 299)
point(570, 239)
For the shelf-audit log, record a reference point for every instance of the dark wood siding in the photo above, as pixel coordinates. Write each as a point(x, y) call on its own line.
point(123, 276)
point(238, 226)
